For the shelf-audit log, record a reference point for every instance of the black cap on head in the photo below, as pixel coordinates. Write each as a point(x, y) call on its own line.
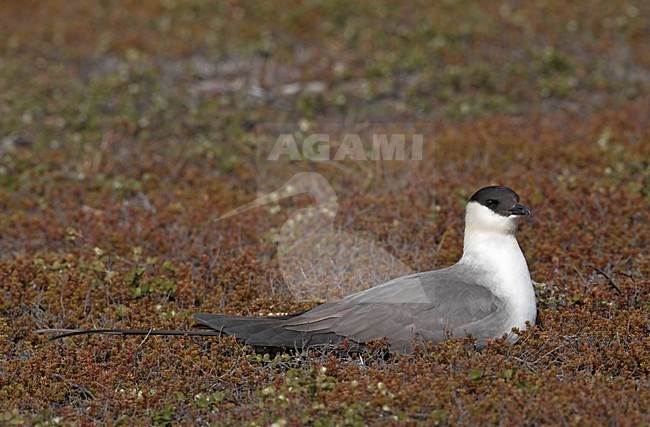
point(501, 200)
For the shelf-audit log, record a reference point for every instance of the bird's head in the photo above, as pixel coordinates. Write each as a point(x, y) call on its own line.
point(494, 209)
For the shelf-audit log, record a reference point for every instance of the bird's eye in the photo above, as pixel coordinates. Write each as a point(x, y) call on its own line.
point(490, 203)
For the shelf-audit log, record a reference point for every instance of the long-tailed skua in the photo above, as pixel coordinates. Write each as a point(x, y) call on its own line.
point(486, 293)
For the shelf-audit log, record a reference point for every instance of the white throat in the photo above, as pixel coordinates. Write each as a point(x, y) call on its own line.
point(490, 245)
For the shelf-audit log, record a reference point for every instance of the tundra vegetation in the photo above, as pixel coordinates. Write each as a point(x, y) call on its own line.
point(127, 127)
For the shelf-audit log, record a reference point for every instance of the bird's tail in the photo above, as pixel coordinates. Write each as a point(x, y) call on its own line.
point(65, 333)
point(268, 331)
point(209, 325)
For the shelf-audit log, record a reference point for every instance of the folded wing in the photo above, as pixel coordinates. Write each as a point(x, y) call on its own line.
point(433, 305)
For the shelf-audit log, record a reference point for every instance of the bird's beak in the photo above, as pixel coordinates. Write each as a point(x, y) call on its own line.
point(518, 209)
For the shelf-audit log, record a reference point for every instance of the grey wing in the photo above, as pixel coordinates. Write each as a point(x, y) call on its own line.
point(432, 304)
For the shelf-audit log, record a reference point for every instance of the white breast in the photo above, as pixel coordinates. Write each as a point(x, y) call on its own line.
point(508, 276)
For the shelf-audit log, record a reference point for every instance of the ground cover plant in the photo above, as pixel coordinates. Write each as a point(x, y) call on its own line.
point(127, 127)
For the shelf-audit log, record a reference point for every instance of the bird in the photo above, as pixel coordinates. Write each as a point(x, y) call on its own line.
point(319, 262)
point(486, 294)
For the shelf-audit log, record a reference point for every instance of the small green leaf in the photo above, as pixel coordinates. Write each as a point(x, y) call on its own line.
point(476, 374)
